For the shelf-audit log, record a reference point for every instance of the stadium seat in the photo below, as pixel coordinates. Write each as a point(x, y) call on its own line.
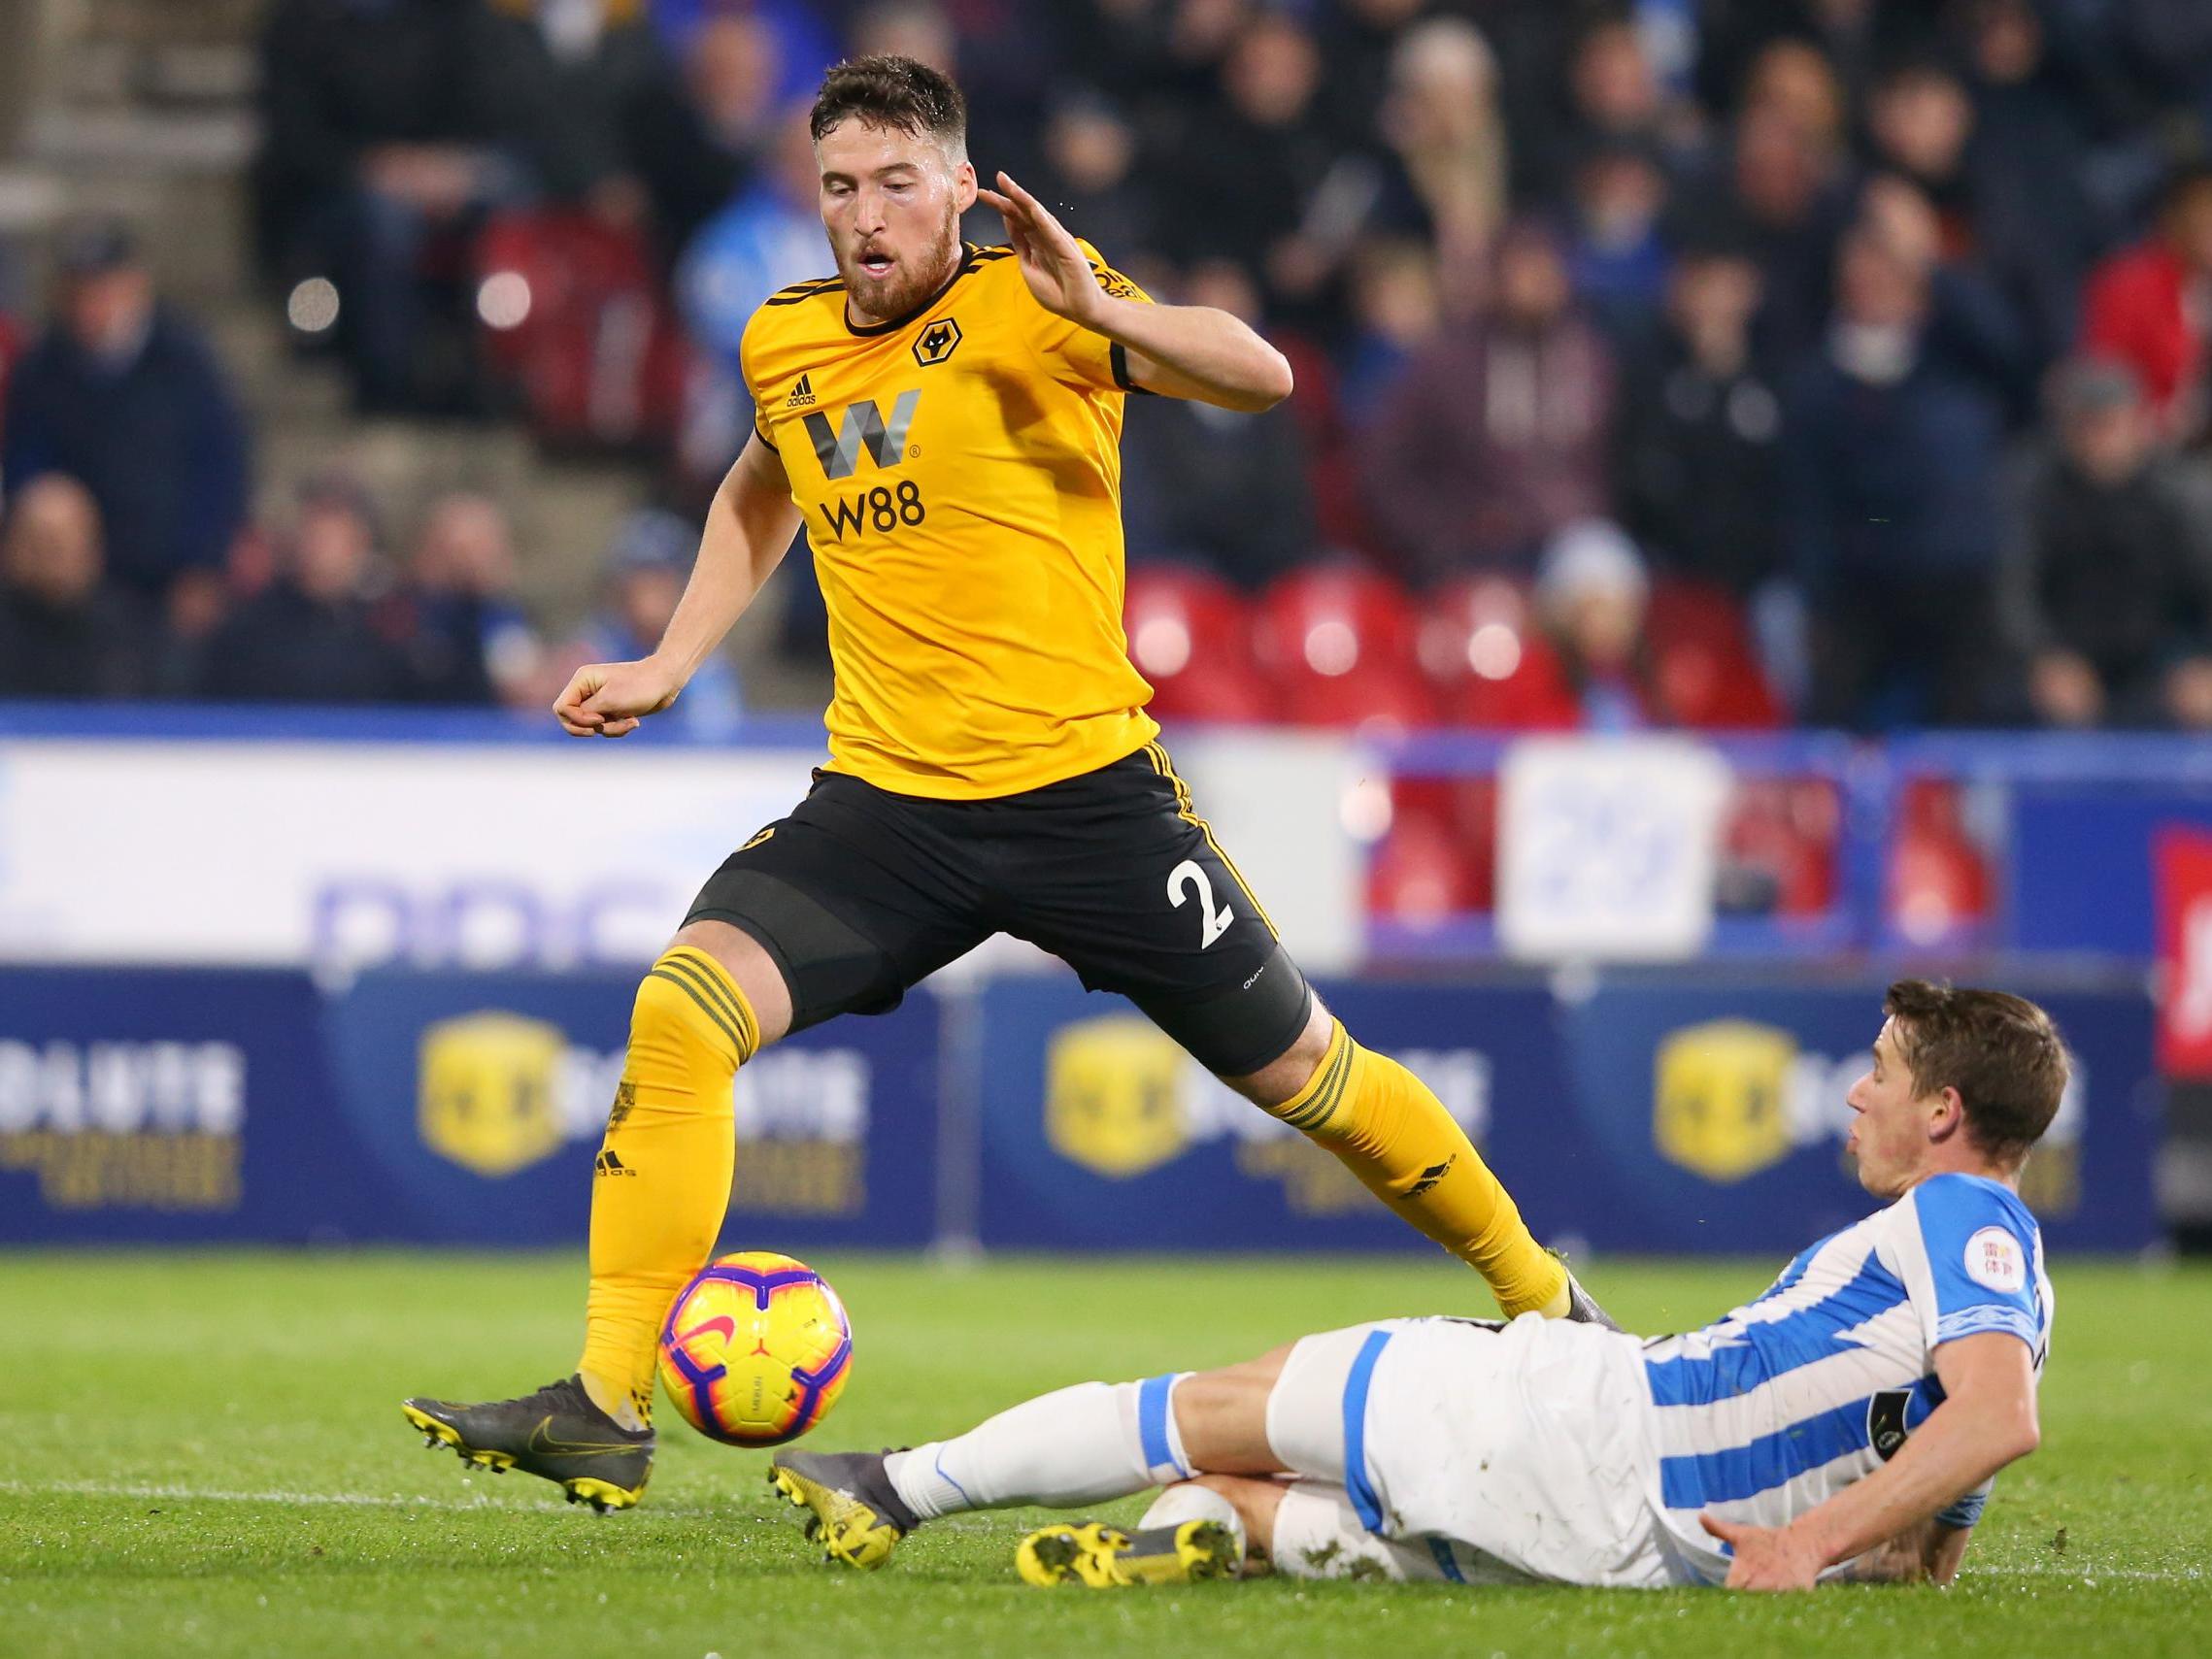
point(573, 315)
point(1214, 689)
point(1518, 685)
point(1191, 634)
point(1421, 874)
point(1386, 694)
point(1707, 674)
point(1325, 622)
point(1938, 886)
point(1779, 845)
point(1336, 645)
point(1474, 625)
point(1178, 617)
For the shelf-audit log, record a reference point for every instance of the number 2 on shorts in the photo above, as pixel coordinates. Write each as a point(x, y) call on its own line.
point(1213, 924)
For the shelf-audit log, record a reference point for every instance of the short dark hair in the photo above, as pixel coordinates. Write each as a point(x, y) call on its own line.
point(2001, 1054)
point(896, 92)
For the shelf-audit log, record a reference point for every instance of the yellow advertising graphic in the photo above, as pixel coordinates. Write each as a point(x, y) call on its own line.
point(1721, 1098)
point(1113, 1095)
point(486, 1099)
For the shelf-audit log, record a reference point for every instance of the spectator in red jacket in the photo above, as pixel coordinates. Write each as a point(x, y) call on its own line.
point(2147, 306)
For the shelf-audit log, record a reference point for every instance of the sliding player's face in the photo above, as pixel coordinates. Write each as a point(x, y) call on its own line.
point(891, 202)
point(1890, 1122)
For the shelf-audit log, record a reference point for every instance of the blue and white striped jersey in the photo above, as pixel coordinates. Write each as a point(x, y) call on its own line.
point(1792, 1398)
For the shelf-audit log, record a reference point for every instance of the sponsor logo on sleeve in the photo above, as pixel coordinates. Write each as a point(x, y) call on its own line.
point(1994, 1259)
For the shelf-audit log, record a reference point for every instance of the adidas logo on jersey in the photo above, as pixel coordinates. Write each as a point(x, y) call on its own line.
point(607, 1164)
point(802, 394)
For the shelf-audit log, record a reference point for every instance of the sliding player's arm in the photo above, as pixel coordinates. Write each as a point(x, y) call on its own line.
point(1189, 351)
point(748, 529)
point(1928, 1553)
point(1986, 1421)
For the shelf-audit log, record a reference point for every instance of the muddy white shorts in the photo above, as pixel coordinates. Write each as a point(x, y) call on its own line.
point(1466, 1450)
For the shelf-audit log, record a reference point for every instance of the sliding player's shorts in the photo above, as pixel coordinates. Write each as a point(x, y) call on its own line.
point(862, 892)
point(1468, 1450)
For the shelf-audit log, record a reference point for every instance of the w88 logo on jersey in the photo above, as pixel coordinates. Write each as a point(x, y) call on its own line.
point(881, 509)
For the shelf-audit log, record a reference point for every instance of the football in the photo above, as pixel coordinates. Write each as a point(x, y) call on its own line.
point(756, 1349)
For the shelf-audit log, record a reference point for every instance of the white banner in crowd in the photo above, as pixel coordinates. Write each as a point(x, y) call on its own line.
point(1607, 847)
point(346, 855)
point(349, 854)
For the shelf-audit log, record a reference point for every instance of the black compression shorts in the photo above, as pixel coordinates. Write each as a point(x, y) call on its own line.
point(862, 892)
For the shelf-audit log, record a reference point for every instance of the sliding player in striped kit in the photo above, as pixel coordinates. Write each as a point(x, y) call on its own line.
point(1848, 1423)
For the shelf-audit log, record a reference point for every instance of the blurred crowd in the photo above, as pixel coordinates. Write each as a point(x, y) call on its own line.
point(1881, 326)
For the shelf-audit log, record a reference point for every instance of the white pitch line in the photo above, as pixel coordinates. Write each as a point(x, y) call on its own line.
point(195, 1494)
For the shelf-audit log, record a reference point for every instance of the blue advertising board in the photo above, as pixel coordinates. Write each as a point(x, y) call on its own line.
point(1645, 1116)
point(481, 1100)
point(1700, 1115)
point(1711, 1117)
point(1098, 1132)
point(143, 1106)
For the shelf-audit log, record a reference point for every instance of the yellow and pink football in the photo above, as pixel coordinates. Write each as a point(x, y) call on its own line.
point(756, 1349)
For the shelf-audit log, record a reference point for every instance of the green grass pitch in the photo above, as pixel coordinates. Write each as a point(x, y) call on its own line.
point(204, 1455)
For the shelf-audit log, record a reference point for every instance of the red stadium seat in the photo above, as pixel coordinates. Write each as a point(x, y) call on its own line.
point(1421, 873)
point(1328, 622)
point(1474, 626)
point(1786, 830)
point(1177, 616)
point(1523, 689)
point(1707, 674)
point(1383, 693)
point(1938, 884)
point(1336, 644)
point(1209, 688)
point(1191, 634)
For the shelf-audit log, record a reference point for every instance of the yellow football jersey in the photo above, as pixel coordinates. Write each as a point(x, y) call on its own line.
point(959, 471)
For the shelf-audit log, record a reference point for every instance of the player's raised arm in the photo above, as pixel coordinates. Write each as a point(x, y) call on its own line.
point(1192, 351)
point(1986, 1421)
point(749, 526)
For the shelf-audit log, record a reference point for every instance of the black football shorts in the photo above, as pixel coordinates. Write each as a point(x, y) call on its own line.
point(862, 892)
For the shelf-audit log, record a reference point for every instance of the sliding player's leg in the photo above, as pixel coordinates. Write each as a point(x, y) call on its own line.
point(817, 916)
point(1065, 1450)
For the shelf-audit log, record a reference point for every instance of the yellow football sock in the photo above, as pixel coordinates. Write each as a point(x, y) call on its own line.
point(661, 1186)
point(1385, 1125)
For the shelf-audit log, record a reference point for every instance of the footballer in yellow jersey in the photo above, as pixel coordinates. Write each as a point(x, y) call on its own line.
point(968, 542)
point(943, 419)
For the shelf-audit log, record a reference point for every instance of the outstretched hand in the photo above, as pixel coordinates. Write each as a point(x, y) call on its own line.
point(608, 699)
point(1764, 1558)
point(1053, 263)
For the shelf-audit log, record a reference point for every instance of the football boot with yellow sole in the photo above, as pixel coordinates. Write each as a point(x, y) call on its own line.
point(559, 1432)
point(853, 1513)
point(1107, 1558)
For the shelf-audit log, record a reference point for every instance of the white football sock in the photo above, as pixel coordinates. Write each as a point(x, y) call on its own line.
point(1073, 1446)
point(1187, 1501)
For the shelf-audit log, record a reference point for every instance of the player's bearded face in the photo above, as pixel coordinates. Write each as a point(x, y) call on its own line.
point(891, 204)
